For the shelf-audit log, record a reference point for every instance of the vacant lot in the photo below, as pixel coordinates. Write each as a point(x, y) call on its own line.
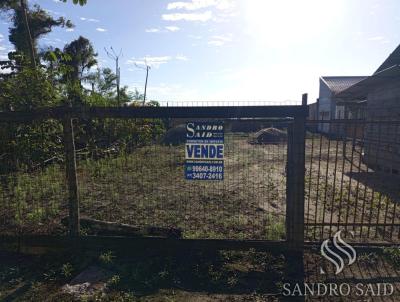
point(147, 188)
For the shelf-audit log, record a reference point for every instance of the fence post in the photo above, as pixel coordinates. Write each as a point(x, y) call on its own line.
point(295, 180)
point(70, 165)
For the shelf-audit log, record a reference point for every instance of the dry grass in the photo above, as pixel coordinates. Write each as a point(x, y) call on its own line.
point(147, 187)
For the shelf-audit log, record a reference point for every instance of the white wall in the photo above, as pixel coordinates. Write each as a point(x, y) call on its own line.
point(325, 106)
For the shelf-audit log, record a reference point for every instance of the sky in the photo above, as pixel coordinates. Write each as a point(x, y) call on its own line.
point(231, 51)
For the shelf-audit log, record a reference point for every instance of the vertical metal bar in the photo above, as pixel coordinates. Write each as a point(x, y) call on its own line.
point(376, 168)
point(380, 193)
point(367, 149)
point(343, 172)
point(70, 165)
point(396, 132)
point(295, 181)
point(310, 183)
point(318, 181)
point(387, 198)
point(334, 187)
point(362, 126)
point(353, 142)
point(326, 189)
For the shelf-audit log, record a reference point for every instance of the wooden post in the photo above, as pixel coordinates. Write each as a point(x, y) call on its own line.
point(295, 180)
point(70, 165)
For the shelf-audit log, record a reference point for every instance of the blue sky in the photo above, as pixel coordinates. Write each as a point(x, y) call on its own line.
point(231, 50)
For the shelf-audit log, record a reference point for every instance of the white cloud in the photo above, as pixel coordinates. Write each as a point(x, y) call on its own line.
point(167, 29)
point(195, 37)
point(220, 40)
point(2, 48)
point(152, 30)
point(100, 29)
point(181, 58)
point(154, 62)
point(202, 17)
point(172, 28)
point(377, 38)
point(1, 36)
point(199, 4)
point(89, 19)
point(69, 29)
point(216, 43)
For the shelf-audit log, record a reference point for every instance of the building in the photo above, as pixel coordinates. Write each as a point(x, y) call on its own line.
point(328, 107)
point(381, 95)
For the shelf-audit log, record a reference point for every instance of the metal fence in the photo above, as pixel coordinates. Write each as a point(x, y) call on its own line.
point(352, 180)
point(126, 165)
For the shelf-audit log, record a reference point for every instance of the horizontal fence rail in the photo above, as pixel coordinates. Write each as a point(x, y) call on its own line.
point(121, 169)
point(158, 112)
point(124, 166)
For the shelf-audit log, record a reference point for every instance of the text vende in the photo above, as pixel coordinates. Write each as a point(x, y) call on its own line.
point(204, 151)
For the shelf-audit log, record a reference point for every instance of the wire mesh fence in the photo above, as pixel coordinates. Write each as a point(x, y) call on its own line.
point(131, 171)
point(32, 179)
point(352, 180)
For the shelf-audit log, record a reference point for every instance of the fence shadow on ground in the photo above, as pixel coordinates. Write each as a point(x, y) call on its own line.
point(379, 182)
point(145, 273)
point(370, 269)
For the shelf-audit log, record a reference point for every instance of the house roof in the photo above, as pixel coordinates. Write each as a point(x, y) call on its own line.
point(360, 90)
point(388, 71)
point(393, 59)
point(338, 84)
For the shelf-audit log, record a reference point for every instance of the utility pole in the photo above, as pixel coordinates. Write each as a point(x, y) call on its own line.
point(147, 67)
point(113, 55)
point(145, 85)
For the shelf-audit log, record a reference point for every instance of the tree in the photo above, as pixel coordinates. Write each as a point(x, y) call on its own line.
point(80, 2)
point(83, 57)
point(29, 25)
point(103, 82)
point(54, 61)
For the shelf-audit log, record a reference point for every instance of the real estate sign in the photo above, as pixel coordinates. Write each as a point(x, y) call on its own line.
point(204, 151)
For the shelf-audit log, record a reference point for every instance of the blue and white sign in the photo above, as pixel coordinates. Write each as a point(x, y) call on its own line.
point(204, 151)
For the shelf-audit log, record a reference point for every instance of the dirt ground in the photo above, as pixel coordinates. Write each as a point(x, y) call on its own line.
point(199, 276)
point(342, 192)
point(147, 187)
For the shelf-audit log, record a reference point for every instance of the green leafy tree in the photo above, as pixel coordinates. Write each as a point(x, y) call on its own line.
point(103, 82)
point(82, 58)
point(27, 144)
point(80, 2)
point(29, 25)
